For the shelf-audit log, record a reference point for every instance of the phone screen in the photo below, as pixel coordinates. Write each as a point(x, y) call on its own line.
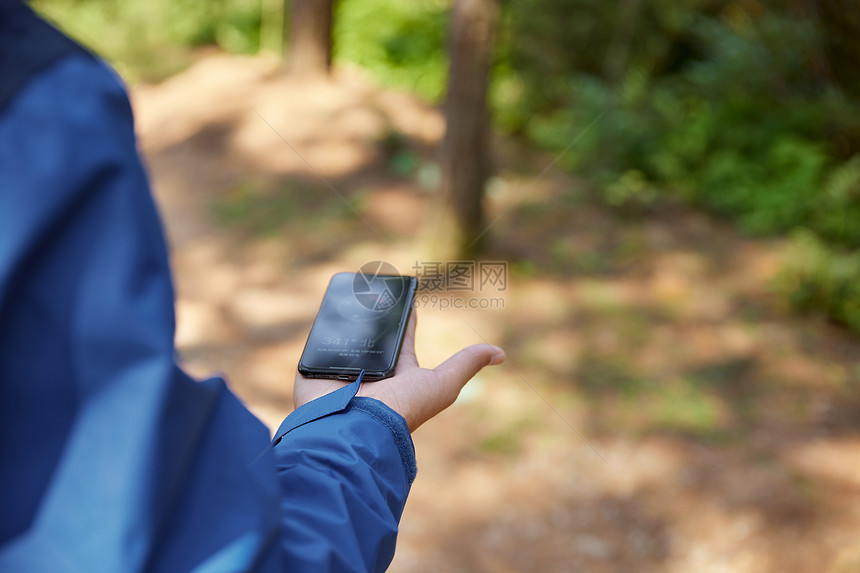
point(359, 326)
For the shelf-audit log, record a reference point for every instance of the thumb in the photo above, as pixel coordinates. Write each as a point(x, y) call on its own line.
point(461, 367)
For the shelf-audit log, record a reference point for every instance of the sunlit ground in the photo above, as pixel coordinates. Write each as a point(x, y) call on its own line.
point(660, 411)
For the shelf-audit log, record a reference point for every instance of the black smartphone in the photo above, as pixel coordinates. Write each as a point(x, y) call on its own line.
point(359, 326)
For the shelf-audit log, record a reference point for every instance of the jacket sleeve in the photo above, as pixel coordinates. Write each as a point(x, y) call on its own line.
point(112, 458)
point(345, 465)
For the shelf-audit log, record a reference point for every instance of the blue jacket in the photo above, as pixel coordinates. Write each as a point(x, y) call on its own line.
point(111, 458)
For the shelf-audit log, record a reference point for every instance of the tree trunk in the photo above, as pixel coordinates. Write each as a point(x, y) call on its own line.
point(841, 22)
point(464, 153)
point(310, 37)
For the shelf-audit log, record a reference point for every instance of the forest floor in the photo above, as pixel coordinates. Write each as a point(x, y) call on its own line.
point(661, 409)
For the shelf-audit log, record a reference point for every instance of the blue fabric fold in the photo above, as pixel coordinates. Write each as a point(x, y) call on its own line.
point(331, 403)
point(112, 458)
point(396, 424)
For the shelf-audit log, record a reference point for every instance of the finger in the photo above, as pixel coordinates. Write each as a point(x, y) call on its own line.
point(461, 367)
point(407, 351)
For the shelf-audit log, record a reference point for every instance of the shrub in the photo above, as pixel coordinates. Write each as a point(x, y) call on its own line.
point(818, 277)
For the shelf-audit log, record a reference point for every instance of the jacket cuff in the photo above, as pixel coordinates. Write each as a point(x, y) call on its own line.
point(396, 424)
point(344, 400)
point(331, 403)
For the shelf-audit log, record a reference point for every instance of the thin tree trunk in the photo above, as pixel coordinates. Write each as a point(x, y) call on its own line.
point(841, 22)
point(464, 153)
point(310, 37)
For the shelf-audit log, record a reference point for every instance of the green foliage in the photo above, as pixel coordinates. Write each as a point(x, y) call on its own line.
point(818, 277)
point(150, 40)
point(724, 131)
point(545, 45)
point(714, 104)
point(401, 43)
point(838, 215)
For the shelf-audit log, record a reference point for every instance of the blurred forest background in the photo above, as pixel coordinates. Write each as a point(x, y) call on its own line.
point(676, 187)
point(747, 108)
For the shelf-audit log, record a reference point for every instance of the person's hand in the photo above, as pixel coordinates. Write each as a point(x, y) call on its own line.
point(415, 393)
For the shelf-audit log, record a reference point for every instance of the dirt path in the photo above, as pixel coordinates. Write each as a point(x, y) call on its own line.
point(723, 434)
